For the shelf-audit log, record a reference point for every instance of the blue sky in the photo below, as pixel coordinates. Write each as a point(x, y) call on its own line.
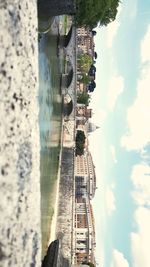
point(121, 147)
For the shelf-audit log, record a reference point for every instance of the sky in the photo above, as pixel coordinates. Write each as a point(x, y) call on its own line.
point(121, 146)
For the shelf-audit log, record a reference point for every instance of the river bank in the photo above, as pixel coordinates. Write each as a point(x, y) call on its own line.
point(57, 187)
point(50, 120)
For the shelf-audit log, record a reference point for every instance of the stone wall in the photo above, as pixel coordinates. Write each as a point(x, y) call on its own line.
point(64, 218)
point(56, 7)
point(20, 238)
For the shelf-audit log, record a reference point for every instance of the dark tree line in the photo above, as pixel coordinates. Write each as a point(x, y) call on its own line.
point(96, 12)
point(80, 142)
point(88, 12)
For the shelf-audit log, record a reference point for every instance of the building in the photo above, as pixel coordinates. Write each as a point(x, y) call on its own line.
point(91, 176)
point(81, 87)
point(85, 177)
point(84, 225)
point(83, 111)
point(84, 241)
point(92, 127)
point(85, 41)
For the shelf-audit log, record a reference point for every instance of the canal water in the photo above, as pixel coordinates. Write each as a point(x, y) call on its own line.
point(50, 119)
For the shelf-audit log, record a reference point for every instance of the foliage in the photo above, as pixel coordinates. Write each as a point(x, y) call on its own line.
point(95, 55)
point(85, 62)
point(91, 86)
point(85, 78)
point(94, 32)
point(80, 142)
point(83, 98)
point(92, 70)
point(96, 12)
point(89, 263)
point(65, 23)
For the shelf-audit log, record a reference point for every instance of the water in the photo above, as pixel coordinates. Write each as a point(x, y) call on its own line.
point(50, 127)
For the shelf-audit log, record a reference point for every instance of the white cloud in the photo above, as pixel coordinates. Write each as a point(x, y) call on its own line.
point(99, 116)
point(138, 134)
point(145, 51)
point(133, 7)
point(141, 180)
point(112, 29)
point(110, 201)
point(118, 259)
point(140, 241)
point(120, 9)
point(113, 153)
point(116, 86)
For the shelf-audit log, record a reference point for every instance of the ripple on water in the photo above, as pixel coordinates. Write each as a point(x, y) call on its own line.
point(50, 128)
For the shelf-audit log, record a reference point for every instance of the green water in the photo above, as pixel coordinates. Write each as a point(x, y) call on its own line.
point(50, 127)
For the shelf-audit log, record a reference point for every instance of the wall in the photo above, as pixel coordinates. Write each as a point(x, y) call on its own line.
point(20, 243)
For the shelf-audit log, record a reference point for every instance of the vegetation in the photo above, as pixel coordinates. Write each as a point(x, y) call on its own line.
point(83, 98)
point(96, 12)
point(85, 78)
point(80, 142)
point(89, 263)
point(85, 62)
point(65, 24)
point(95, 55)
point(91, 86)
point(94, 32)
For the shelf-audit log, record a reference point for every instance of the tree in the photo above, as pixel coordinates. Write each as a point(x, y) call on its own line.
point(92, 70)
point(96, 12)
point(84, 62)
point(88, 12)
point(83, 98)
point(89, 263)
point(94, 33)
point(95, 55)
point(91, 86)
point(80, 142)
point(85, 78)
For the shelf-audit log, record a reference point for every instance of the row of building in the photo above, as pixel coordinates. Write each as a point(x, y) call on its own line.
point(83, 241)
point(85, 41)
point(86, 46)
point(85, 186)
point(85, 177)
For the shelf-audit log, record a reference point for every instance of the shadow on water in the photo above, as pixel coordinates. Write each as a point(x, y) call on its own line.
point(50, 127)
point(54, 257)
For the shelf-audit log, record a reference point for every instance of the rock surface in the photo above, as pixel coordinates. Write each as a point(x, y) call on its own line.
point(65, 208)
point(20, 238)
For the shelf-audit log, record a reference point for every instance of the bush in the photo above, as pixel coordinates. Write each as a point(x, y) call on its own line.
point(80, 142)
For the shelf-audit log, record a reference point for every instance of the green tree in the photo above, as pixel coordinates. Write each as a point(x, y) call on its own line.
point(85, 78)
point(96, 12)
point(89, 263)
point(80, 142)
point(83, 98)
point(84, 62)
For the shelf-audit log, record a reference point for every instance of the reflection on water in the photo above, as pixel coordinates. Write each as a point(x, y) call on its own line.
point(50, 127)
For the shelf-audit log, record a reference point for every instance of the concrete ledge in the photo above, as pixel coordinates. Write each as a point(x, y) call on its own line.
point(20, 243)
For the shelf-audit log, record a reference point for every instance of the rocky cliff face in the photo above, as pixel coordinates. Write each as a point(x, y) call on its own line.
point(20, 238)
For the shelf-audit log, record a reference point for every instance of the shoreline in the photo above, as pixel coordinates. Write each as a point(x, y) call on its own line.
point(53, 224)
point(56, 204)
point(50, 229)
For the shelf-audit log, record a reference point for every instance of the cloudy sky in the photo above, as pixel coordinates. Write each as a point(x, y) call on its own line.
point(121, 147)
